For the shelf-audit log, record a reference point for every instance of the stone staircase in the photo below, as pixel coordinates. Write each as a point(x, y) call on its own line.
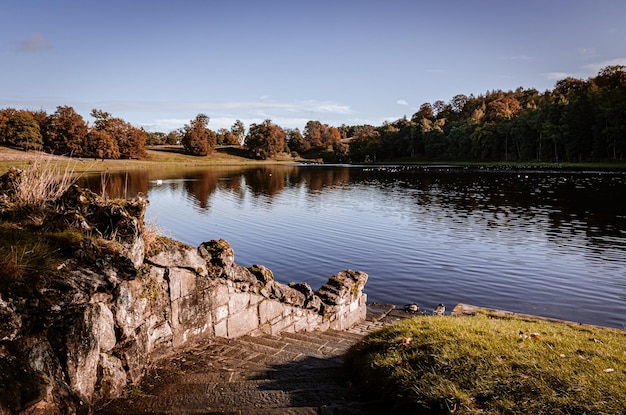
point(290, 374)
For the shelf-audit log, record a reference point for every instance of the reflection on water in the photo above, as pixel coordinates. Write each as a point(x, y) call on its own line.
point(550, 243)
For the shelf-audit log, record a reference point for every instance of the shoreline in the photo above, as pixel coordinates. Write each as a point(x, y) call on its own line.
point(393, 312)
point(158, 157)
point(172, 156)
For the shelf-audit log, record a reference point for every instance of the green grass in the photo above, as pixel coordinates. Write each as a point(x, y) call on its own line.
point(485, 364)
point(29, 259)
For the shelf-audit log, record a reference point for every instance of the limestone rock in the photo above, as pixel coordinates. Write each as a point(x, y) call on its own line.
point(111, 377)
point(262, 274)
point(20, 386)
point(120, 221)
point(217, 252)
point(285, 294)
point(176, 254)
point(342, 288)
point(10, 180)
point(311, 301)
point(83, 329)
point(10, 321)
point(134, 250)
point(8, 186)
point(91, 333)
point(221, 259)
point(136, 300)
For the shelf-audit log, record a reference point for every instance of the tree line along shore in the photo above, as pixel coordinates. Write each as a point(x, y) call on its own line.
point(577, 121)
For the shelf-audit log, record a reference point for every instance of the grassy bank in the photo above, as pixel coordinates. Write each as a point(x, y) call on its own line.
point(528, 165)
point(173, 156)
point(158, 157)
point(485, 364)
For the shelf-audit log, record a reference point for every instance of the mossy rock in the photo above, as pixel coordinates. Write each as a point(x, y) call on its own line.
point(262, 274)
point(10, 180)
point(217, 252)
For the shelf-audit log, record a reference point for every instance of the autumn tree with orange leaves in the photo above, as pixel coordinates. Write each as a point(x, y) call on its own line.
point(265, 140)
point(197, 139)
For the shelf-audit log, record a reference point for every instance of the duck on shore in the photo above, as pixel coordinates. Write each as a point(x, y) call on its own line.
point(439, 310)
point(412, 308)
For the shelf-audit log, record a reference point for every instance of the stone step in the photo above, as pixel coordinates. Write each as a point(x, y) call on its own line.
point(340, 337)
point(293, 377)
point(290, 374)
point(281, 382)
point(293, 345)
point(334, 339)
point(347, 409)
point(226, 397)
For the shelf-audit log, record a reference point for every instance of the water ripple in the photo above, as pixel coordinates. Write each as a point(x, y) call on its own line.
point(550, 243)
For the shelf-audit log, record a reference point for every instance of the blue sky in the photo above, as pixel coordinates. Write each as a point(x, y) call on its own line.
point(157, 64)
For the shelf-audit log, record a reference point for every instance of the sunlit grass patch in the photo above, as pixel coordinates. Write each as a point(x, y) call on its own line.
point(493, 365)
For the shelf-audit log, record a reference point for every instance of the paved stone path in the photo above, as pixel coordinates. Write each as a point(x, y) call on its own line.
point(290, 374)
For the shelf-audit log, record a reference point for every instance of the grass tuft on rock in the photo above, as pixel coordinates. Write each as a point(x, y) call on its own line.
point(42, 182)
point(486, 364)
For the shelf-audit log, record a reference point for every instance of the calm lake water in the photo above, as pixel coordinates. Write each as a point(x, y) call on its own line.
point(551, 243)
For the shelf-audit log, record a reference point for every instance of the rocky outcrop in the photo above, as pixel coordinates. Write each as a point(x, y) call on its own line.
point(88, 326)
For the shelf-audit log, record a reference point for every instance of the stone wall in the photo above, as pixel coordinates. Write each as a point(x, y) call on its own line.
point(93, 329)
point(187, 294)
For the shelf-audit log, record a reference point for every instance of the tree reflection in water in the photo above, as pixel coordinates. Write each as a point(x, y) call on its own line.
point(546, 242)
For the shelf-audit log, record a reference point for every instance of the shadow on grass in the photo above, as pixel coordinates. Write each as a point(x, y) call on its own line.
point(234, 151)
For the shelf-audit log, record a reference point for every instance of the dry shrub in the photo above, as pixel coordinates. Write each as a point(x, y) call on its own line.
point(152, 237)
point(42, 182)
point(9, 270)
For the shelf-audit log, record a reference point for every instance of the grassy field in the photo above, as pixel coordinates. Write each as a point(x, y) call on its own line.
point(157, 157)
point(173, 156)
point(488, 364)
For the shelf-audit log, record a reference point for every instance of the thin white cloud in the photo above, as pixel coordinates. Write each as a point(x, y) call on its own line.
point(166, 124)
point(557, 76)
point(330, 108)
point(260, 106)
point(594, 68)
point(215, 123)
point(402, 102)
point(171, 115)
point(587, 71)
point(36, 43)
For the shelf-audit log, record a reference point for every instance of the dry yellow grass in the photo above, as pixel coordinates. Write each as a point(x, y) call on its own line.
point(158, 157)
point(42, 181)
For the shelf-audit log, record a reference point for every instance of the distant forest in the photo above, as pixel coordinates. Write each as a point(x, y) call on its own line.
point(579, 120)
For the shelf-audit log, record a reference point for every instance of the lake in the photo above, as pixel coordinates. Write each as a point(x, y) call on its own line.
point(551, 243)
